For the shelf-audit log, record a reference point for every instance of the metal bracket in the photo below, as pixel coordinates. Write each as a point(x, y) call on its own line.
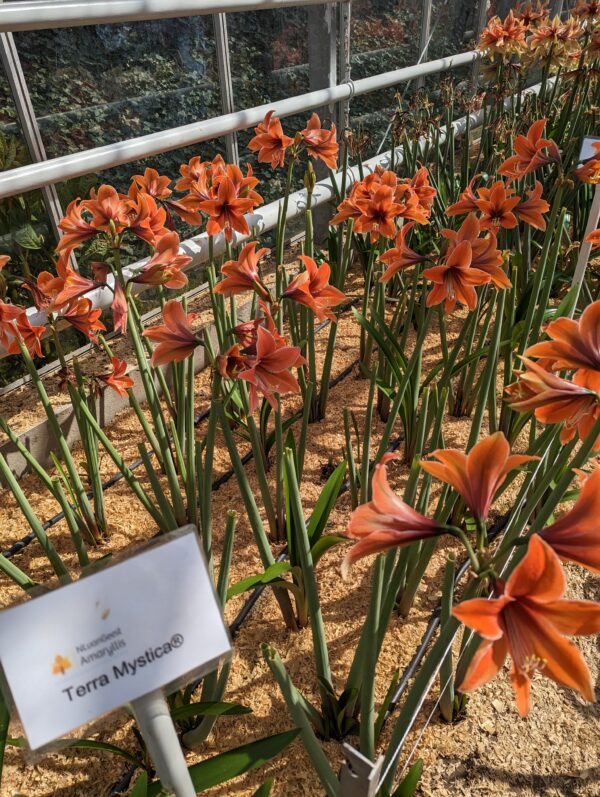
point(359, 776)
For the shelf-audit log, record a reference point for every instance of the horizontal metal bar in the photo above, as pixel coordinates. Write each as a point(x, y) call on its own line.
point(42, 14)
point(36, 175)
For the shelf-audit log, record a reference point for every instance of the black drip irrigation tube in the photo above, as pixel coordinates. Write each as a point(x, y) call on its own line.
point(19, 545)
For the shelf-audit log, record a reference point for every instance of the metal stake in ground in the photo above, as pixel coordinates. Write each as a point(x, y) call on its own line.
point(152, 715)
point(359, 776)
point(587, 151)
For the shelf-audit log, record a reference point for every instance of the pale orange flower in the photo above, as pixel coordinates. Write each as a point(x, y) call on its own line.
point(594, 239)
point(80, 315)
point(503, 38)
point(106, 206)
point(321, 144)
point(312, 289)
point(589, 172)
point(75, 228)
point(531, 152)
point(401, 256)
point(270, 141)
point(166, 264)
point(243, 275)
point(117, 379)
point(267, 372)
point(176, 339)
point(151, 183)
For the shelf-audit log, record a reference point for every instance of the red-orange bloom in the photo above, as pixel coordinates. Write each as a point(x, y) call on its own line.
point(589, 172)
point(528, 620)
point(268, 371)
point(496, 206)
point(107, 206)
point(176, 339)
point(377, 214)
point(74, 286)
point(530, 210)
point(227, 211)
point(166, 264)
point(425, 192)
point(555, 400)
point(312, 289)
point(478, 475)
point(594, 239)
point(574, 345)
point(503, 37)
point(575, 537)
point(8, 314)
point(242, 275)
point(531, 152)
point(485, 255)
point(14, 325)
point(151, 183)
point(455, 279)
point(146, 219)
point(320, 143)
point(385, 521)
point(75, 228)
point(401, 256)
point(232, 363)
point(119, 309)
point(4, 259)
point(117, 378)
point(466, 203)
point(45, 289)
point(270, 141)
point(80, 315)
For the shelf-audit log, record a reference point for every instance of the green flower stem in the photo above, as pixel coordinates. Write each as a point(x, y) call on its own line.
point(74, 530)
point(446, 670)
point(16, 574)
point(367, 691)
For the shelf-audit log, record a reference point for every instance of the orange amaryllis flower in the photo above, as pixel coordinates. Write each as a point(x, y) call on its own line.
point(166, 264)
point(312, 289)
point(242, 275)
point(575, 537)
point(15, 326)
point(503, 38)
point(574, 345)
point(385, 521)
point(478, 475)
point(529, 15)
point(244, 186)
point(74, 286)
point(530, 210)
point(151, 183)
point(485, 255)
point(466, 203)
point(4, 259)
point(232, 363)
point(44, 289)
point(401, 256)
point(119, 309)
point(594, 239)
point(589, 172)
point(146, 219)
point(80, 315)
point(528, 620)
point(75, 228)
point(377, 214)
point(176, 339)
point(454, 280)
point(587, 10)
point(268, 370)
point(496, 205)
point(226, 212)
point(8, 315)
point(425, 192)
point(270, 141)
point(107, 206)
point(555, 400)
point(531, 152)
point(320, 143)
point(117, 379)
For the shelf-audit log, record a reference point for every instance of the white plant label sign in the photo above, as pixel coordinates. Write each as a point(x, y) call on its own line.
point(80, 651)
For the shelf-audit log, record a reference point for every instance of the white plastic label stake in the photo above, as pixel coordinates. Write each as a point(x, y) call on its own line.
point(76, 653)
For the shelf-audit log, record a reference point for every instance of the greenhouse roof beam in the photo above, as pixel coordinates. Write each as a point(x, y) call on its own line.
point(76, 164)
point(44, 14)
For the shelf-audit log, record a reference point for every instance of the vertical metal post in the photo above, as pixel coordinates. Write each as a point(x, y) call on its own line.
point(31, 131)
point(556, 7)
point(482, 9)
point(322, 74)
point(225, 81)
point(586, 247)
point(345, 67)
point(359, 776)
point(426, 7)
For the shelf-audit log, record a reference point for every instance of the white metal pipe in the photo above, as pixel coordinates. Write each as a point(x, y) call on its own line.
point(42, 14)
point(36, 175)
point(586, 247)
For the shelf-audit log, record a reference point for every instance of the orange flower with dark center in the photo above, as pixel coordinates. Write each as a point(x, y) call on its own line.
point(530, 210)
point(594, 239)
point(243, 275)
point(589, 172)
point(45, 289)
point(270, 141)
point(117, 379)
point(496, 206)
point(80, 315)
point(455, 280)
point(529, 15)
point(587, 10)
point(528, 620)
point(385, 521)
point(555, 400)
point(15, 326)
point(401, 256)
point(466, 203)
point(479, 475)
point(268, 372)
point(377, 214)
point(312, 289)
point(166, 264)
point(176, 339)
point(226, 212)
point(573, 345)
point(146, 219)
point(320, 143)
point(150, 183)
point(485, 255)
point(575, 537)
point(505, 37)
point(531, 152)
point(75, 228)
point(409, 204)
point(425, 192)
point(232, 363)
point(107, 206)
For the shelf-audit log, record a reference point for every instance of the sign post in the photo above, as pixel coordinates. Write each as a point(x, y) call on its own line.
point(587, 152)
point(123, 635)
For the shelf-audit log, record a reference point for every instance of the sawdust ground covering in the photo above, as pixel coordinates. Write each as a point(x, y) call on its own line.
point(492, 751)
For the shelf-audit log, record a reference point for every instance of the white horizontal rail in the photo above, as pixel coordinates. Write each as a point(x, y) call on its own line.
point(36, 175)
point(42, 14)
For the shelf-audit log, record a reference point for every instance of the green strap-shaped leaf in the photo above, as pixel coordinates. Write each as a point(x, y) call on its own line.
point(208, 709)
point(410, 782)
point(325, 503)
point(272, 573)
point(323, 544)
point(264, 789)
point(85, 744)
point(140, 788)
